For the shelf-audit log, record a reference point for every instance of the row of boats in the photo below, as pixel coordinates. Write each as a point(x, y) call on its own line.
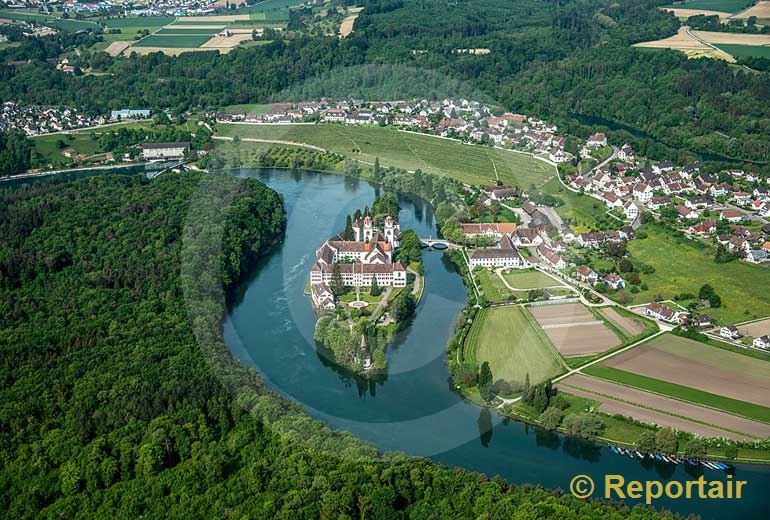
point(670, 458)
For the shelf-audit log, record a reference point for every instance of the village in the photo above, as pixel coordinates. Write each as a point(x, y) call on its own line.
point(34, 120)
point(461, 119)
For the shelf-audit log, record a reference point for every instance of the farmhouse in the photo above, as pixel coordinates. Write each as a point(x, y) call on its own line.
point(731, 215)
point(156, 151)
point(661, 312)
point(586, 274)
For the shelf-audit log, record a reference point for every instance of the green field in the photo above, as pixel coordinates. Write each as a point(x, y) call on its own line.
point(685, 393)
point(584, 211)
point(174, 41)
point(727, 6)
point(473, 164)
point(49, 20)
point(746, 51)
point(493, 287)
point(47, 147)
point(683, 266)
point(529, 279)
point(509, 339)
point(187, 32)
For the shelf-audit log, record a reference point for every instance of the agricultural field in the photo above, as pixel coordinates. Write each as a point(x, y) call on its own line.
point(687, 368)
point(510, 340)
point(683, 266)
point(761, 10)
point(684, 14)
point(756, 328)
point(629, 326)
point(574, 330)
point(474, 164)
point(187, 41)
point(746, 51)
point(652, 408)
point(728, 6)
point(688, 44)
point(48, 20)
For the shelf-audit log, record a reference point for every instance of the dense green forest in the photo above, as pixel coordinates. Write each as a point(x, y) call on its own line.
point(119, 398)
point(554, 58)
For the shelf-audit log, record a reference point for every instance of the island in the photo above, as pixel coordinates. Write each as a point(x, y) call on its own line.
point(365, 284)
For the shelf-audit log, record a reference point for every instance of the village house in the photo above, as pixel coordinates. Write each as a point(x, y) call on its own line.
point(597, 140)
point(730, 332)
point(631, 210)
point(762, 342)
point(494, 230)
point(661, 312)
point(614, 281)
point(731, 215)
point(586, 274)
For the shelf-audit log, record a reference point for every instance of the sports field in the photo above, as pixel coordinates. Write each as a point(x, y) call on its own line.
point(683, 266)
point(685, 368)
point(510, 340)
point(474, 164)
point(529, 279)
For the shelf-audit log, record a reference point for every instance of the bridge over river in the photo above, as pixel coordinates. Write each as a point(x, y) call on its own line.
point(439, 243)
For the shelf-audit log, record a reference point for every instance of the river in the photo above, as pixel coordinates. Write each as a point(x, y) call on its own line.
point(413, 408)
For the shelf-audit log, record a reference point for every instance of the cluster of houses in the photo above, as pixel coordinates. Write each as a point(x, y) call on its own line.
point(697, 200)
point(731, 332)
point(369, 256)
point(35, 120)
point(455, 118)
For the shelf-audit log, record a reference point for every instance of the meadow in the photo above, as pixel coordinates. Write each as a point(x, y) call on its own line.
point(174, 41)
point(746, 51)
point(683, 266)
point(727, 6)
point(68, 25)
point(529, 279)
point(510, 340)
point(473, 164)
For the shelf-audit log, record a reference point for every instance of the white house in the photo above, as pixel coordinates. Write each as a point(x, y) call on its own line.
point(631, 210)
point(762, 342)
point(730, 332)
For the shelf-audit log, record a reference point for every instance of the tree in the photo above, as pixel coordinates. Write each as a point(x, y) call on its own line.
point(731, 451)
point(666, 441)
point(336, 284)
point(348, 234)
point(551, 418)
point(485, 381)
point(376, 173)
point(375, 289)
point(540, 401)
point(583, 425)
point(695, 449)
point(646, 442)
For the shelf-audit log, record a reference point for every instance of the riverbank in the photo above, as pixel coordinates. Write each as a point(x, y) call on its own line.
point(46, 173)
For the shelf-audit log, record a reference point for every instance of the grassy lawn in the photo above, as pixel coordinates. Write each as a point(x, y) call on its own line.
point(683, 266)
point(493, 287)
point(746, 51)
point(473, 164)
point(749, 410)
point(47, 147)
point(583, 211)
point(250, 108)
point(529, 279)
point(513, 345)
point(727, 6)
point(174, 41)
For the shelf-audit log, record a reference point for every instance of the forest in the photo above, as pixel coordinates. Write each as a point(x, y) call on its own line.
point(119, 398)
point(557, 59)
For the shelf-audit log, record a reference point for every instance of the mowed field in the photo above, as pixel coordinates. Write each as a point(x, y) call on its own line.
point(746, 51)
point(574, 330)
point(474, 164)
point(686, 13)
point(682, 266)
point(510, 340)
point(519, 279)
point(684, 42)
point(691, 364)
point(650, 408)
